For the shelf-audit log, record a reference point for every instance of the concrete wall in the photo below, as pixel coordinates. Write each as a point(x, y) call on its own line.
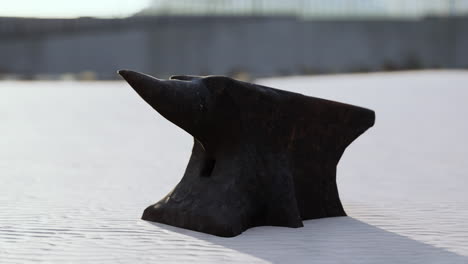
point(99, 52)
point(262, 46)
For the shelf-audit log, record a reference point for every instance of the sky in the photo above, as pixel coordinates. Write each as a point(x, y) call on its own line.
point(71, 8)
point(121, 8)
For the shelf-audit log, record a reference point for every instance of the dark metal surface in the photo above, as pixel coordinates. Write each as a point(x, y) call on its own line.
point(261, 156)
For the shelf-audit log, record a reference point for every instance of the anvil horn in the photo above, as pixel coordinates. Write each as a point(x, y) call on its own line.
point(179, 101)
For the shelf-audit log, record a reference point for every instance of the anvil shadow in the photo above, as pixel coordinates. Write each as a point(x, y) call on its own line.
point(328, 240)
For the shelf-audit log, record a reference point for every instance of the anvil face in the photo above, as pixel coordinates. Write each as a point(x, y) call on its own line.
point(261, 156)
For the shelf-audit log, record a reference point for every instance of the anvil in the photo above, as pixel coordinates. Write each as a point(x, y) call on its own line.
point(261, 156)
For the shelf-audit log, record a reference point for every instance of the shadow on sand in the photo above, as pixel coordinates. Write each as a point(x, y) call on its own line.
point(330, 240)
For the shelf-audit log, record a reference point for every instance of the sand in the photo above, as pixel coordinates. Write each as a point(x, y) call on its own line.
point(77, 168)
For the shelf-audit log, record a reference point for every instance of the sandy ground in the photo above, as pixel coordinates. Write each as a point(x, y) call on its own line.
point(80, 161)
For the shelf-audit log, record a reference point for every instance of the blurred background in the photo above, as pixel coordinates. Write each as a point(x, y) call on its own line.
point(90, 40)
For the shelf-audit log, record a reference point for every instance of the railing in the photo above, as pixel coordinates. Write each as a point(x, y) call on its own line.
point(311, 8)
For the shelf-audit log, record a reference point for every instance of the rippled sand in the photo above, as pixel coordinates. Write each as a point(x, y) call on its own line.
point(80, 161)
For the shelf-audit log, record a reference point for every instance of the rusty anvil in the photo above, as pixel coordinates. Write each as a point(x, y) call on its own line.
point(261, 156)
